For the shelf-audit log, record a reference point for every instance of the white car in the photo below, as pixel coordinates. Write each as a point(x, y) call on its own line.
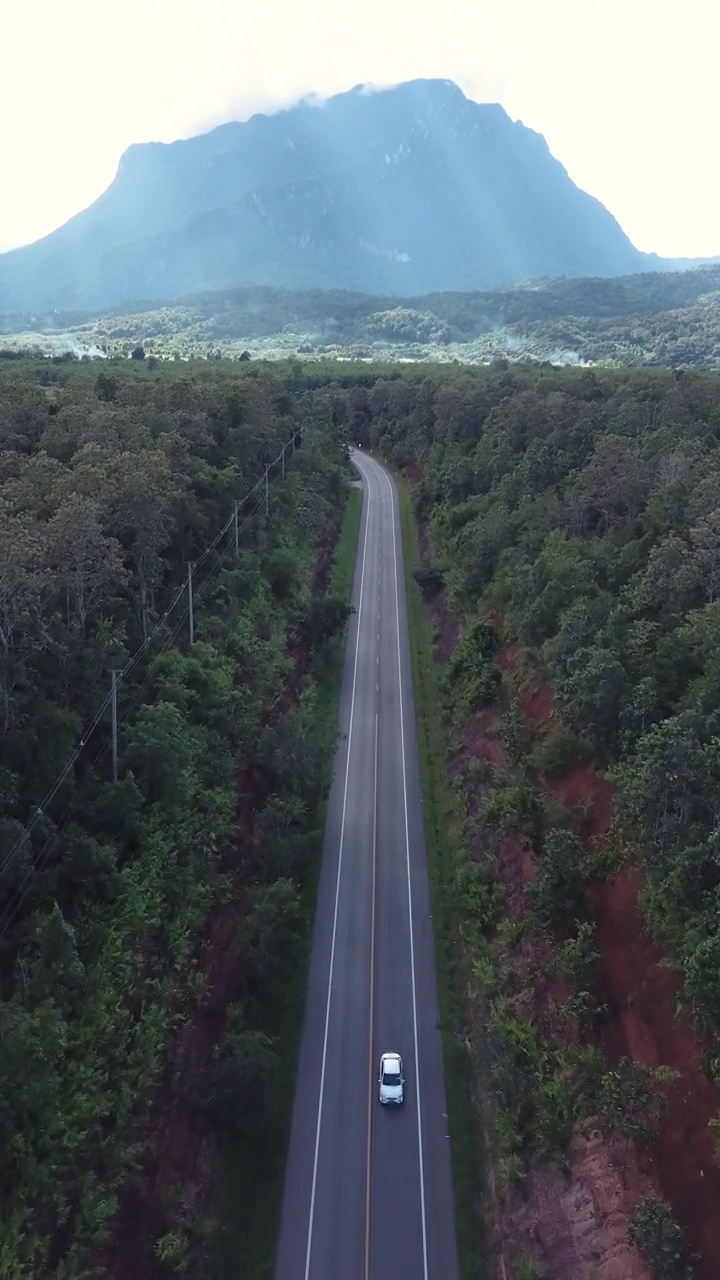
point(391, 1079)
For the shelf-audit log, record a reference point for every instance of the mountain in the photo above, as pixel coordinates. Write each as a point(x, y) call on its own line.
point(402, 191)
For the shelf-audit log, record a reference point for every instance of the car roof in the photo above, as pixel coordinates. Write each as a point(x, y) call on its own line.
point(389, 1059)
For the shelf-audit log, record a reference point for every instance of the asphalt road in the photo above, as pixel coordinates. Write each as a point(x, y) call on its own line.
point(368, 1193)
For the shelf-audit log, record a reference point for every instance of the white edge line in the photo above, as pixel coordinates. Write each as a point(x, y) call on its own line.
point(409, 889)
point(337, 902)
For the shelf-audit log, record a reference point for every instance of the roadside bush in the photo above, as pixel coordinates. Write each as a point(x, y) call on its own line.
point(558, 898)
point(471, 679)
point(476, 892)
point(556, 753)
point(430, 579)
point(582, 1007)
point(476, 772)
point(655, 1233)
point(241, 1084)
point(323, 626)
point(270, 938)
point(530, 1269)
point(538, 1102)
point(513, 804)
point(173, 1250)
point(515, 733)
point(577, 959)
point(625, 1101)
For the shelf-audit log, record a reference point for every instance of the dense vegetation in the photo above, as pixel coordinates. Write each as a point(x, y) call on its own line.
point(111, 481)
point(587, 508)
point(570, 520)
point(665, 318)
point(582, 506)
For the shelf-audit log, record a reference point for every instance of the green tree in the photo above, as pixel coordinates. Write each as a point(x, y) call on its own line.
point(654, 1231)
point(59, 972)
point(668, 784)
point(242, 1083)
point(88, 564)
point(558, 898)
point(159, 750)
point(270, 935)
point(626, 1102)
point(595, 692)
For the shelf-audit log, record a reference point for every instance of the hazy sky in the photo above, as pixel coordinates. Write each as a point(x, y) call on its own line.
point(626, 96)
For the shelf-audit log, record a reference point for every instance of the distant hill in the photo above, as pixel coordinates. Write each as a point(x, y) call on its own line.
point(651, 318)
point(403, 191)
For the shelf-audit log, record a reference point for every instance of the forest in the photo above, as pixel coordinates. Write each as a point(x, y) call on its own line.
point(153, 900)
point(654, 318)
point(587, 508)
point(568, 526)
point(570, 557)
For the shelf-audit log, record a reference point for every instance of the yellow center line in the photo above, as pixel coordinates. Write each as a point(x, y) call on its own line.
point(371, 1072)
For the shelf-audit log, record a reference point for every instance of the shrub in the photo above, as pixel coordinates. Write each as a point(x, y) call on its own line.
point(625, 1100)
point(530, 1269)
point(538, 1101)
point(577, 958)
point(477, 771)
point(514, 804)
point(558, 898)
point(558, 752)
point(241, 1084)
point(477, 892)
point(172, 1250)
point(471, 679)
point(654, 1231)
point(430, 579)
point(512, 1169)
point(515, 733)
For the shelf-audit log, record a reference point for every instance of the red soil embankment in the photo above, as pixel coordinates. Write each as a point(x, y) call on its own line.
point(577, 1223)
point(645, 1024)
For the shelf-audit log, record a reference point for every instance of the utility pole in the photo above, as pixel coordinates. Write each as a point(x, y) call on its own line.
point(237, 537)
point(267, 490)
point(190, 602)
point(114, 726)
point(283, 461)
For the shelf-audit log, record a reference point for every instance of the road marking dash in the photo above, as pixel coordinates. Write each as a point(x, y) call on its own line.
point(371, 1072)
point(311, 1216)
point(421, 1158)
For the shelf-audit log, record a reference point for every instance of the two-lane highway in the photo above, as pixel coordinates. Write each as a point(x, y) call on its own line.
point(368, 1192)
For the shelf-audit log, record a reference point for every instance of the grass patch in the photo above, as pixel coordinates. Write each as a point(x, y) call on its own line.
point(246, 1243)
point(343, 570)
point(340, 586)
point(466, 1135)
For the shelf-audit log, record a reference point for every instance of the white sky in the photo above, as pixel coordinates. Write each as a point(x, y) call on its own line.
point(627, 97)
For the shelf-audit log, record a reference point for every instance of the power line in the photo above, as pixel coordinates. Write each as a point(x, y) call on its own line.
point(40, 858)
point(171, 636)
point(132, 662)
point(198, 564)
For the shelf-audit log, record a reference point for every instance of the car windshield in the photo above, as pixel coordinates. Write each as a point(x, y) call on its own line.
point(391, 1077)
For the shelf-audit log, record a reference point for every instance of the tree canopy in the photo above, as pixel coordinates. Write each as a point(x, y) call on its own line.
point(110, 484)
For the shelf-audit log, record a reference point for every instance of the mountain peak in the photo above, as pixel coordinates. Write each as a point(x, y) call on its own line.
point(425, 95)
point(426, 86)
point(404, 189)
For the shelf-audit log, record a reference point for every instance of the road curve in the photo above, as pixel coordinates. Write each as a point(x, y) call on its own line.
point(368, 1193)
